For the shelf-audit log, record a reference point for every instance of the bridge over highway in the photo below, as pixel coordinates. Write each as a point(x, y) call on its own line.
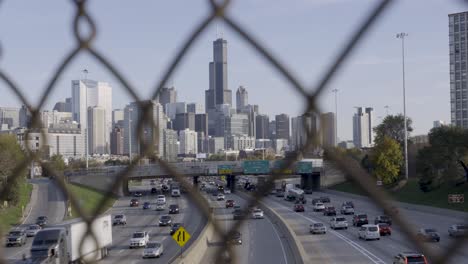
point(102, 178)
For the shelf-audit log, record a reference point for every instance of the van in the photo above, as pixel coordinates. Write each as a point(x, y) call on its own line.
point(369, 232)
point(175, 193)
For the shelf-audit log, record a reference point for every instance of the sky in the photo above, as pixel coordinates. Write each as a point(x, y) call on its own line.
point(141, 37)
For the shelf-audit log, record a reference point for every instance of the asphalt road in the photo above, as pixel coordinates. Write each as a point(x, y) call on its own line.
point(261, 241)
point(49, 202)
point(343, 246)
point(147, 220)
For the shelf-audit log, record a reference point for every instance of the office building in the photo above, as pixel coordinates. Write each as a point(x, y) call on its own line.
point(188, 142)
point(300, 126)
point(363, 135)
point(89, 93)
point(281, 146)
point(167, 95)
point(240, 142)
point(218, 92)
point(97, 131)
point(117, 140)
point(117, 115)
point(272, 130)
point(63, 106)
point(172, 109)
point(184, 121)
point(263, 143)
point(458, 69)
point(171, 146)
point(55, 117)
point(195, 108)
point(250, 111)
point(327, 128)
point(346, 144)
point(202, 143)
point(242, 98)
point(9, 117)
point(215, 144)
point(201, 123)
point(24, 117)
point(236, 124)
point(282, 126)
point(438, 123)
point(262, 123)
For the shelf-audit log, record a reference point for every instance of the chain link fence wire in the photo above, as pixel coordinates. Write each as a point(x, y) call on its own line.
point(84, 43)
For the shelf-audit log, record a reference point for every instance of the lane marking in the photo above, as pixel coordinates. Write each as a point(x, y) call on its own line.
point(281, 242)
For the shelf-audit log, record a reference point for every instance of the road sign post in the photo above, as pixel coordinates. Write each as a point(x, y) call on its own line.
point(181, 236)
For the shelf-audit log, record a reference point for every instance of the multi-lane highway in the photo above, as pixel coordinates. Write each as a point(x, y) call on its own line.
point(344, 246)
point(48, 201)
point(261, 240)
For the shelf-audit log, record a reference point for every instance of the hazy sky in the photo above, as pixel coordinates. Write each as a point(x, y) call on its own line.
point(140, 38)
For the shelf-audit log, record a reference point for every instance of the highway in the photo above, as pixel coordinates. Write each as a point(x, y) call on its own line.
point(343, 246)
point(261, 241)
point(147, 220)
point(49, 202)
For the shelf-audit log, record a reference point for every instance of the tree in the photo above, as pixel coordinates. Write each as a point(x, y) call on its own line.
point(11, 156)
point(393, 127)
point(386, 158)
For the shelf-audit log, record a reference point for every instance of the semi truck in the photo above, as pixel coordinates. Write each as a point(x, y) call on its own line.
point(61, 244)
point(292, 193)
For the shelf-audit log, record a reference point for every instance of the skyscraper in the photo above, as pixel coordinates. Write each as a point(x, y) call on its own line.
point(363, 135)
point(458, 69)
point(195, 108)
point(282, 126)
point(166, 96)
point(262, 124)
point(188, 141)
point(218, 92)
point(242, 98)
point(184, 120)
point(299, 126)
point(327, 125)
point(117, 115)
point(201, 124)
point(97, 130)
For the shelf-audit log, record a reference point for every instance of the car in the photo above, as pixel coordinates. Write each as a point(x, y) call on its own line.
point(119, 219)
point(338, 223)
point(230, 203)
point(360, 219)
point(160, 206)
point(42, 221)
point(236, 206)
point(409, 258)
point(318, 207)
point(227, 191)
point(368, 231)
point(154, 190)
point(174, 209)
point(174, 228)
point(299, 208)
point(137, 194)
point(383, 219)
point(308, 191)
point(257, 213)
point(146, 205)
point(385, 229)
point(220, 197)
point(175, 192)
point(153, 250)
point(428, 234)
point(458, 230)
point(32, 230)
point(16, 238)
point(314, 201)
point(325, 199)
point(329, 210)
point(348, 203)
point(318, 228)
point(235, 238)
point(165, 220)
point(161, 199)
point(279, 193)
point(165, 188)
point(238, 214)
point(134, 203)
point(346, 210)
point(139, 239)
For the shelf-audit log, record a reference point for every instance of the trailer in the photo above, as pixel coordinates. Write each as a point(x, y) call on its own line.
point(293, 193)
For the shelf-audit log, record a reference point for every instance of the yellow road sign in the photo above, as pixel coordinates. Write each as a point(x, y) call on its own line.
point(181, 236)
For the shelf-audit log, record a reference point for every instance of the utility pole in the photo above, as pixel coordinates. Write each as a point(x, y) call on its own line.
point(336, 115)
point(402, 37)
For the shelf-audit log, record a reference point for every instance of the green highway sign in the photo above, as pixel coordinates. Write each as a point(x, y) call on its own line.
point(256, 166)
point(303, 167)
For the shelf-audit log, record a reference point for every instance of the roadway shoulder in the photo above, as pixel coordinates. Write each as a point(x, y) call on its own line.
point(31, 203)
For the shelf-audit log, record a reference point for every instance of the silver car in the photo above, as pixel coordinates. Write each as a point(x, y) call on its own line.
point(458, 230)
point(318, 228)
point(32, 230)
point(153, 250)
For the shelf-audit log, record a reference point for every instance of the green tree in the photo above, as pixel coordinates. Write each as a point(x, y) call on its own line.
point(386, 158)
point(393, 127)
point(11, 156)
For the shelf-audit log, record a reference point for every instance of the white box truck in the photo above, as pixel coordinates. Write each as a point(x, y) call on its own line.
point(61, 244)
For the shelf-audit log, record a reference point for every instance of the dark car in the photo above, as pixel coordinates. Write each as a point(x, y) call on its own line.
point(299, 208)
point(383, 219)
point(173, 209)
point(325, 199)
point(329, 210)
point(384, 229)
point(314, 201)
point(174, 228)
point(154, 190)
point(230, 203)
point(360, 219)
point(134, 202)
point(16, 238)
point(41, 221)
point(428, 234)
point(238, 214)
point(146, 205)
point(308, 191)
point(165, 188)
point(348, 203)
point(137, 194)
point(279, 193)
point(165, 220)
point(235, 238)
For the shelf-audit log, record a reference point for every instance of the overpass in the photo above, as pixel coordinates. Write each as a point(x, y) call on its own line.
point(102, 178)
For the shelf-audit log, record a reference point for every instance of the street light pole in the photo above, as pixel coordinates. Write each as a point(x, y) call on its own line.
point(85, 71)
point(402, 37)
point(130, 133)
point(336, 115)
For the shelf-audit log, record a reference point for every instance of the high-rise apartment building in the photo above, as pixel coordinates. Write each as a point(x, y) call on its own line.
point(327, 128)
point(262, 123)
point(242, 98)
point(167, 95)
point(458, 69)
point(363, 134)
point(282, 126)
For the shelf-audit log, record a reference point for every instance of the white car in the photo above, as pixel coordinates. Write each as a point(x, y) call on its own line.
point(153, 250)
point(319, 207)
point(139, 239)
point(175, 193)
point(32, 230)
point(257, 213)
point(369, 232)
point(318, 228)
point(161, 199)
point(338, 222)
point(227, 191)
point(220, 197)
point(160, 206)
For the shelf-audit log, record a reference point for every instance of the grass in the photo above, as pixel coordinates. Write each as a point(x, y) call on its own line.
point(88, 200)
point(12, 215)
point(411, 193)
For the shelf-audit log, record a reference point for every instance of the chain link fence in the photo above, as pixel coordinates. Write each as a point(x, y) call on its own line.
point(84, 44)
